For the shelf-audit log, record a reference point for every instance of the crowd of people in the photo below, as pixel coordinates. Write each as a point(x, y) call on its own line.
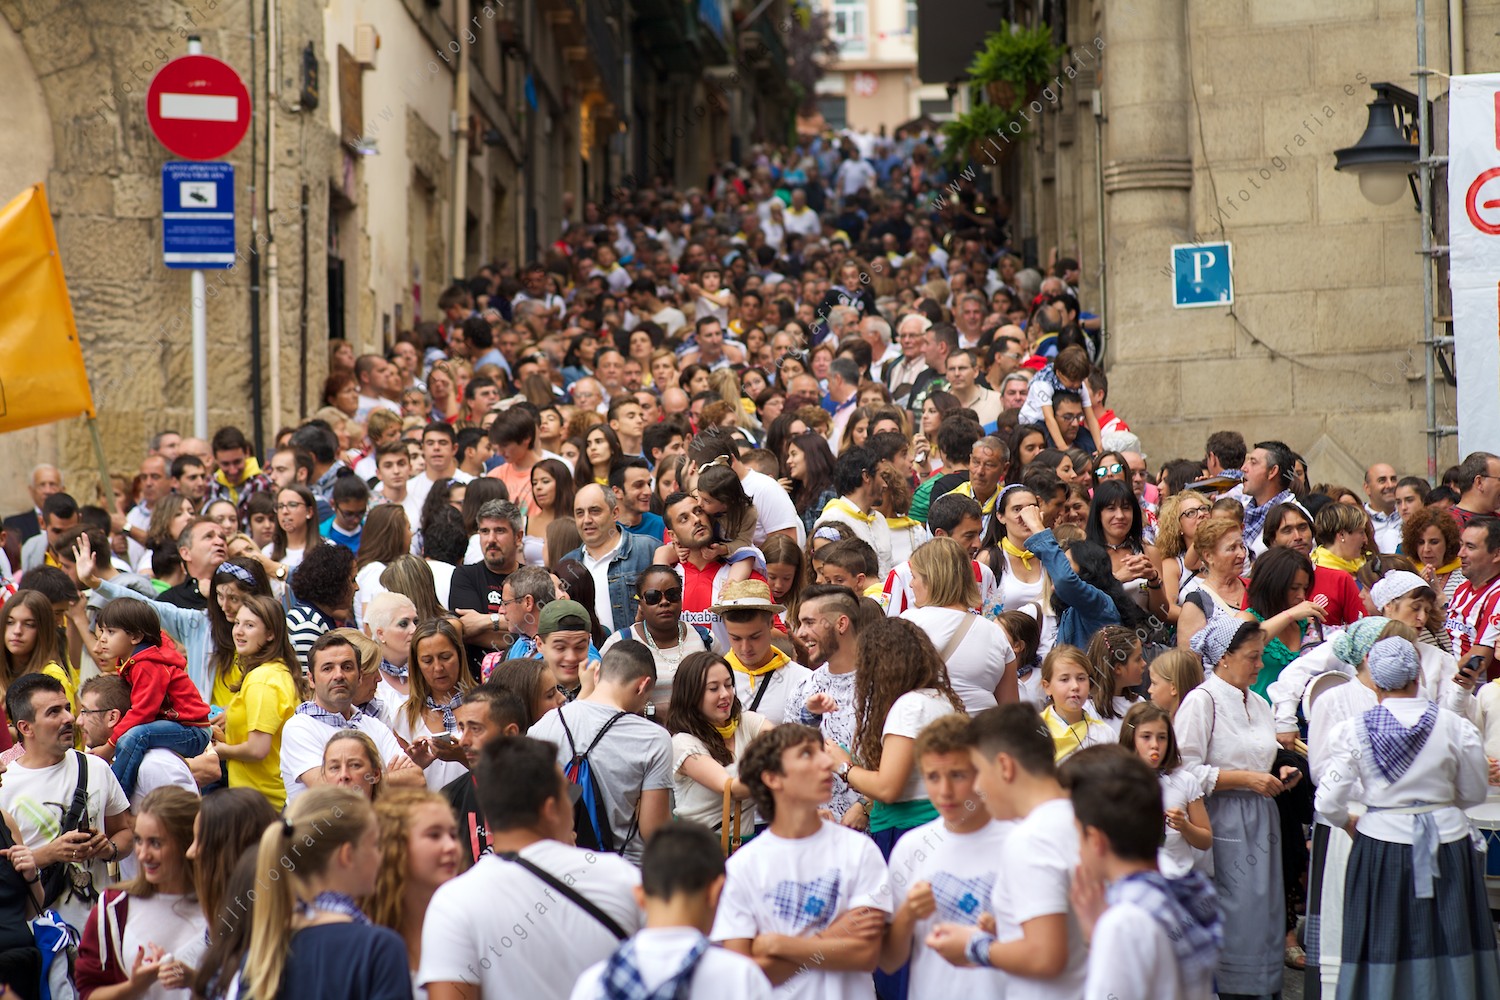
point(757, 594)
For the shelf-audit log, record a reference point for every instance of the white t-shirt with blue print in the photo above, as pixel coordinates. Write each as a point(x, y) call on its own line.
point(799, 887)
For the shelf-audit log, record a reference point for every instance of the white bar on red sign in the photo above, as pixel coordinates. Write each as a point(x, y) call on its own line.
point(200, 107)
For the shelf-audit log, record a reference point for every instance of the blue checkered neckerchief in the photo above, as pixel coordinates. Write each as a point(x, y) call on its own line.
point(622, 976)
point(1255, 515)
point(450, 721)
point(1394, 747)
point(389, 668)
point(334, 719)
point(335, 902)
point(1186, 908)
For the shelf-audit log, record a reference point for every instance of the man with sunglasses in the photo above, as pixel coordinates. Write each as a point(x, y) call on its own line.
point(662, 630)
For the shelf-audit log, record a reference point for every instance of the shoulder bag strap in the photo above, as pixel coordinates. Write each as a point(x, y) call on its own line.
point(572, 894)
point(760, 692)
point(602, 730)
point(958, 637)
point(79, 808)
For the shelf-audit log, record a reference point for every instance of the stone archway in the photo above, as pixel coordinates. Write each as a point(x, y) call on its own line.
point(26, 158)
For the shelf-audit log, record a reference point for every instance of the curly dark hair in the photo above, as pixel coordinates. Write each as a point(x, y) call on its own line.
point(893, 657)
point(764, 755)
point(1413, 528)
point(1094, 569)
point(325, 579)
point(685, 713)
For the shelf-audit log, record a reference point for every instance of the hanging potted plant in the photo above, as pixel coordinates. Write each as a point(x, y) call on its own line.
point(1014, 63)
point(968, 136)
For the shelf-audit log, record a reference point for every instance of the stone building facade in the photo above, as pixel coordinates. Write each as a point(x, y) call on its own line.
point(372, 215)
point(1219, 122)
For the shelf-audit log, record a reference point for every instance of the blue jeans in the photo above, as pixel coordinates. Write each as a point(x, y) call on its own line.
point(163, 734)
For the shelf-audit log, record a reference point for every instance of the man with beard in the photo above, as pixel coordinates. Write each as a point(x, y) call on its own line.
point(825, 625)
point(475, 593)
point(703, 575)
point(39, 789)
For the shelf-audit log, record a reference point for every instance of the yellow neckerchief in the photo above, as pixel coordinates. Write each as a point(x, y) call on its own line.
point(848, 508)
point(1016, 552)
point(776, 662)
point(1322, 557)
point(728, 731)
point(1066, 738)
point(252, 469)
point(1451, 567)
point(901, 522)
point(967, 489)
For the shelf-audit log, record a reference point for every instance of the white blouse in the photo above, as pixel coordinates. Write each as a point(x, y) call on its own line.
point(1450, 770)
point(1226, 727)
point(1330, 710)
point(699, 803)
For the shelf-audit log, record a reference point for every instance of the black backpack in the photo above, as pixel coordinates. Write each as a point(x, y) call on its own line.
point(590, 812)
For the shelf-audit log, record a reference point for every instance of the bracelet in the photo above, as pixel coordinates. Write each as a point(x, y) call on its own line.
point(1153, 585)
point(33, 881)
point(114, 851)
point(978, 951)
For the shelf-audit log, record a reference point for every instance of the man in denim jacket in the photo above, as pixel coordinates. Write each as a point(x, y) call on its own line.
point(614, 558)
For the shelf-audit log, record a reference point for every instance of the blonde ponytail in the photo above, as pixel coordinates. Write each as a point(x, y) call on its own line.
point(316, 825)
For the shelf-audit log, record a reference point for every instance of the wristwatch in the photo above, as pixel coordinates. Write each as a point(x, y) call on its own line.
point(495, 620)
point(843, 770)
point(281, 572)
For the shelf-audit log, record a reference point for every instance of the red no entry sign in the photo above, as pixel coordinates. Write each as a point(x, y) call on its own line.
point(198, 107)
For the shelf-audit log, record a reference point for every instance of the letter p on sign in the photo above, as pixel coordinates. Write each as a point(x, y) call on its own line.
point(1202, 275)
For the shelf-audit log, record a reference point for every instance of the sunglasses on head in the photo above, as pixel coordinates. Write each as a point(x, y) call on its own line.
point(672, 595)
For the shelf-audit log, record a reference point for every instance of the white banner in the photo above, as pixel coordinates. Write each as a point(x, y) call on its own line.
point(1474, 263)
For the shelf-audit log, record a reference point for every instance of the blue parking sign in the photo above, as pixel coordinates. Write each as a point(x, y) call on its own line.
point(1201, 275)
point(197, 215)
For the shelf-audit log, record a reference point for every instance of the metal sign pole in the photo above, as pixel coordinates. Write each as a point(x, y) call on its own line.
point(200, 356)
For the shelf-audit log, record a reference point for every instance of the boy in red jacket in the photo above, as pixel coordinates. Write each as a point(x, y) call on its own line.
point(166, 711)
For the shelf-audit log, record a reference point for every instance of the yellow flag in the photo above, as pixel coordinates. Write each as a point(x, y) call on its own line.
point(41, 362)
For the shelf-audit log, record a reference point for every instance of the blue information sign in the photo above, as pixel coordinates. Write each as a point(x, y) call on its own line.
point(1201, 275)
point(197, 215)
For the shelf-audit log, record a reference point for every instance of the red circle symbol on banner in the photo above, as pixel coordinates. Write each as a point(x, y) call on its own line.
point(1471, 203)
point(198, 107)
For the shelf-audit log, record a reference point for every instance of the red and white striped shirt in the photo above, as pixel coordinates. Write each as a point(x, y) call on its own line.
point(899, 597)
point(1472, 617)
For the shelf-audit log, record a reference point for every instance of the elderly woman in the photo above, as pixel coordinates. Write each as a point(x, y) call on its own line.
point(1219, 589)
point(1418, 918)
point(1222, 723)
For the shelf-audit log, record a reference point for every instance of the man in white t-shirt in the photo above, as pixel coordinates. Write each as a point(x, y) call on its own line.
point(39, 786)
point(1038, 942)
point(682, 877)
point(775, 514)
point(808, 899)
point(511, 926)
point(630, 757)
point(1151, 936)
point(334, 667)
point(944, 871)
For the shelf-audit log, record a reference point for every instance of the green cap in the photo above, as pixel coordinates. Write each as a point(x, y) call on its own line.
point(564, 616)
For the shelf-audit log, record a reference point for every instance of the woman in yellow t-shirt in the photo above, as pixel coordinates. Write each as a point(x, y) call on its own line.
point(269, 688)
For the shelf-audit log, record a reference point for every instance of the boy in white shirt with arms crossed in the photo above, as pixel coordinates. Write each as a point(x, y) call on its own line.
point(807, 899)
point(946, 868)
point(1151, 937)
point(1038, 942)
